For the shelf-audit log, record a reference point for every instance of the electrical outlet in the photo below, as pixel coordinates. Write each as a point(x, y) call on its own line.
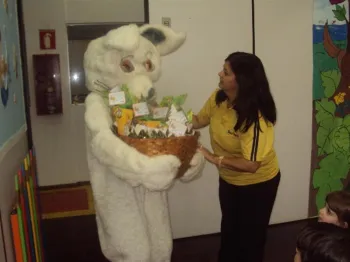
point(166, 21)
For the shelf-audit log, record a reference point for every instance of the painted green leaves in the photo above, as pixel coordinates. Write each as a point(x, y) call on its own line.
point(333, 168)
point(330, 81)
point(332, 139)
point(340, 13)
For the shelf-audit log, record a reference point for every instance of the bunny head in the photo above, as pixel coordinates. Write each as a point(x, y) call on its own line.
point(130, 55)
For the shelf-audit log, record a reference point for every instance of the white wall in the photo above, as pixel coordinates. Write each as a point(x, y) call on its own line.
point(11, 157)
point(215, 28)
point(284, 43)
point(103, 11)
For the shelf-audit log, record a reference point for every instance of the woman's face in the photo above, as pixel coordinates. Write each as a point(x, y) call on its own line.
point(327, 215)
point(227, 79)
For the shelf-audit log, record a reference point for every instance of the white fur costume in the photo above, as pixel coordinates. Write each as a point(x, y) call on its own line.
point(129, 188)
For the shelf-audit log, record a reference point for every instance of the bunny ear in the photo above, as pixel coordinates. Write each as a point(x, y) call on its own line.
point(164, 38)
point(125, 38)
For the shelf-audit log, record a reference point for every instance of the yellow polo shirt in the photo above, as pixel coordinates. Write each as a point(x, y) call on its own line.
point(254, 145)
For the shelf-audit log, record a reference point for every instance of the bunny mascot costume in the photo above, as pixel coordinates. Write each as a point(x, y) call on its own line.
point(129, 188)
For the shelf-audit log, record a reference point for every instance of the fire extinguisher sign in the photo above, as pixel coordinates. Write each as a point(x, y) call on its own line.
point(47, 39)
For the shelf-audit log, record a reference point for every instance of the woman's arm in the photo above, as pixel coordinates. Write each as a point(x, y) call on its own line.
point(234, 163)
point(199, 124)
point(202, 119)
point(239, 164)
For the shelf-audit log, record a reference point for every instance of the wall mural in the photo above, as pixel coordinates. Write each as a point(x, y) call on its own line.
point(331, 100)
point(12, 111)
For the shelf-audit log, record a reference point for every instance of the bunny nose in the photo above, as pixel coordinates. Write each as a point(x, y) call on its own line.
point(151, 92)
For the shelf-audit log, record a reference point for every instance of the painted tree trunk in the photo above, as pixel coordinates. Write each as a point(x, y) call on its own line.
point(343, 58)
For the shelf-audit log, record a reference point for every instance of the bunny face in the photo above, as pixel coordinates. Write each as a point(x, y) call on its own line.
point(130, 55)
point(144, 61)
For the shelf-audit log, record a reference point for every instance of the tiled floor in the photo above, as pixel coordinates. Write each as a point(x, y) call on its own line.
point(75, 239)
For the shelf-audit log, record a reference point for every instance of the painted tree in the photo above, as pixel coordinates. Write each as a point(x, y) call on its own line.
point(342, 55)
point(332, 116)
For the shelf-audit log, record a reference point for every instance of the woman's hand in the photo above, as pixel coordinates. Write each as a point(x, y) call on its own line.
point(238, 164)
point(207, 154)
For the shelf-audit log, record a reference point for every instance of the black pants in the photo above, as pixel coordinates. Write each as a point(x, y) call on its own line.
point(246, 212)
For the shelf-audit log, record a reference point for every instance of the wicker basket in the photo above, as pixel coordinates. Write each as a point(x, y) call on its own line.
point(183, 147)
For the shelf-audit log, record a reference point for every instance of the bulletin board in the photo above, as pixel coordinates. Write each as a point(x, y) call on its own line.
point(12, 109)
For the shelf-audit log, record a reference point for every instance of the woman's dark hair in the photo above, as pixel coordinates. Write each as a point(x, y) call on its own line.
point(324, 242)
point(253, 94)
point(339, 203)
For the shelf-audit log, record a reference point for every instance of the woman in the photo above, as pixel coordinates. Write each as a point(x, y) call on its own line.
point(241, 115)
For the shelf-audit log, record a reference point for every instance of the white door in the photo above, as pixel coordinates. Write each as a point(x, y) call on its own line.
point(215, 29)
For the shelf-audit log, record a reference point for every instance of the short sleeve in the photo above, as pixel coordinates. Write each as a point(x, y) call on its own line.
point(257, 142)
point(204, 115)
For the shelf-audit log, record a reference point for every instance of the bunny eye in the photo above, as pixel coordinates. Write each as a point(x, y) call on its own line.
point(148, 65)
point(126, 66)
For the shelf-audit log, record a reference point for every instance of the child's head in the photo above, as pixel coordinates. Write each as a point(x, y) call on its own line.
point(337, 209)
point(323, 242)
